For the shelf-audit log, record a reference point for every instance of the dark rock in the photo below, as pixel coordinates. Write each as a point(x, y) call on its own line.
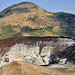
point(68, 53)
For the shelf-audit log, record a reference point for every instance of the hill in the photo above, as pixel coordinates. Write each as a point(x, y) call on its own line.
point(27, 19)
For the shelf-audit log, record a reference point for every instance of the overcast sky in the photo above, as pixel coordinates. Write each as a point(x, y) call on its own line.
point(67, 6)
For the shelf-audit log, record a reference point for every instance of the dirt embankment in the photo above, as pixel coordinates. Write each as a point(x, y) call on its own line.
point(23, 68)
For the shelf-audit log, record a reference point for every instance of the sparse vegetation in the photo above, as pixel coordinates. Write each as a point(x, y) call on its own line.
point(34, 23)
point(7, 32)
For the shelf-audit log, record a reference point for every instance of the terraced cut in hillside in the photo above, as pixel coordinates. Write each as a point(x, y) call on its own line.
point(27, 19)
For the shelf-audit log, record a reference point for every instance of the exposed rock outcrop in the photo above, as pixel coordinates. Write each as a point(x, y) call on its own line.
point(37, 50)
point(65, 57)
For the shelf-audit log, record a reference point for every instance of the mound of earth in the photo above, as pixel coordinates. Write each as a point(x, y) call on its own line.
point(23, 68)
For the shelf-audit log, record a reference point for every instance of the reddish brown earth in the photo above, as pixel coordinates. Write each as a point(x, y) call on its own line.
point(5, 45)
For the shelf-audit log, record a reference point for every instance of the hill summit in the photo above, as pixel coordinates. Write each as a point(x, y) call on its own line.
point(27, 19)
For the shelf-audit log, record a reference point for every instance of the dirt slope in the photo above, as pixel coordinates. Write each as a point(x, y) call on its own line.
point(22, 68)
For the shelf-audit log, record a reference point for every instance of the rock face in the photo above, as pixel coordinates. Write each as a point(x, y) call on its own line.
point(68, 53)
point(37, 50)
point(64, 57)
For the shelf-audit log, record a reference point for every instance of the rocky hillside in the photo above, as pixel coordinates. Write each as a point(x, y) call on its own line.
point(45, 51)
point(68, 53)
point(37, 50)
point(27, 19)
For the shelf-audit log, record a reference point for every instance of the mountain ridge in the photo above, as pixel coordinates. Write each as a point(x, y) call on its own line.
point(27, 19)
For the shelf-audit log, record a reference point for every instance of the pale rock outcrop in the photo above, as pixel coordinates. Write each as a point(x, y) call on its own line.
point(41, 51)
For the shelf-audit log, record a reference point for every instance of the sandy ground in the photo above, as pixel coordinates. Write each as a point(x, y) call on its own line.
point(23, 68)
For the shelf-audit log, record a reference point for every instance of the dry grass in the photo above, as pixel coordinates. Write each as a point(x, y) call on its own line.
point(35, 18)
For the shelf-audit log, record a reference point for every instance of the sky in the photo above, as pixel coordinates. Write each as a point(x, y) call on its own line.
point(54, 6)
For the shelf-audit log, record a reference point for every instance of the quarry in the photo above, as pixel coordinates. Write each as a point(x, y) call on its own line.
point(35, 50)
